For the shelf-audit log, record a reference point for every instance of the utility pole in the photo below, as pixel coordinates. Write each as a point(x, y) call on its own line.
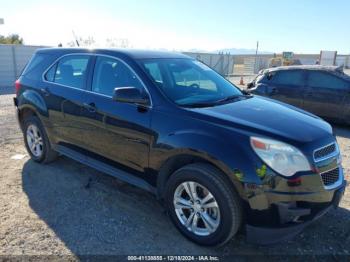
point(256, 56)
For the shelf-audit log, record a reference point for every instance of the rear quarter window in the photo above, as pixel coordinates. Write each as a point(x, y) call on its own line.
point(37, 65)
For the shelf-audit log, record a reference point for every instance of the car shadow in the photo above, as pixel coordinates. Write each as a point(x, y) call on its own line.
point(342, 130)
point(94, 214)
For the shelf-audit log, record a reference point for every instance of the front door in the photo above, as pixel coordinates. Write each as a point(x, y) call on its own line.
point(118, 131)
point(287, 86)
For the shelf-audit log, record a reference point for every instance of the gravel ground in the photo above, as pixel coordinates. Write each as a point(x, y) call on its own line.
point(65, 208)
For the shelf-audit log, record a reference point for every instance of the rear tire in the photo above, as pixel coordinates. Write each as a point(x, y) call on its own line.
point(215, 221)
point(36, 141)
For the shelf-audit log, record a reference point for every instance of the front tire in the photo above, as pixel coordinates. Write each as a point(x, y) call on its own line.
point(203, 205)
point(36, 141)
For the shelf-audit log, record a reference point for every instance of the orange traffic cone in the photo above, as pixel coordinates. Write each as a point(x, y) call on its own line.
point(241, 82)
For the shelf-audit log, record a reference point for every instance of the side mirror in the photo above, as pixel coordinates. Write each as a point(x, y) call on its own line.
point(130, 95)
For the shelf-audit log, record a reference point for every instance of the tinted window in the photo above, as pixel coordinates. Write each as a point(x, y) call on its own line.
point(50, 75)
point(324, 80)
point(70, 71)
point(37, 66)
point(295, 78)
point(259, 78)
point(154, 71)
point(191, 77)
point(110, 73)
point(187, 81)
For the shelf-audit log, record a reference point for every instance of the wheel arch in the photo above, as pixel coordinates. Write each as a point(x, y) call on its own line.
point(176, 162)
point(31, 99)
point(26, 111)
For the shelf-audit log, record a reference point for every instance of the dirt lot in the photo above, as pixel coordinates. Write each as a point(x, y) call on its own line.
point(65, 208)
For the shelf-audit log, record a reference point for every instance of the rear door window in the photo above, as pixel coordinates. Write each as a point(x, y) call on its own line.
point(69, 71)
point(50, 75)
point(326, 80)
point(292, 78)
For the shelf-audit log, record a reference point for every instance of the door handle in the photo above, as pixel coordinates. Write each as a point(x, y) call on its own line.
point(273, 91)
point(45, 91)
point(91, 107)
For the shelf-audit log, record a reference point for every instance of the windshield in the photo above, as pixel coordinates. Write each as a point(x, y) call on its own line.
point(189, 82)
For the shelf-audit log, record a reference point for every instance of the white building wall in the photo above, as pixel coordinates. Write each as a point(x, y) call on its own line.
point(13, 58)
point(7, 72)
point(22, 56)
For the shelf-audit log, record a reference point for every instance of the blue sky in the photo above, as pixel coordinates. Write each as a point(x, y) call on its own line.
point(303, 26)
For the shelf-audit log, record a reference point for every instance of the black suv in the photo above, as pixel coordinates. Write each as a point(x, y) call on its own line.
point(321, 90)
point(217, 158)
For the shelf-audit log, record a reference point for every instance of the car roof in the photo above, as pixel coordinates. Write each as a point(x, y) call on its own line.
point(335, 70)
point(306, 67)
point(132, 53)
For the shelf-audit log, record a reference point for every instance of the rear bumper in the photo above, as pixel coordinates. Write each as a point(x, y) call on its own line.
point(310, 212)
point(15, 102)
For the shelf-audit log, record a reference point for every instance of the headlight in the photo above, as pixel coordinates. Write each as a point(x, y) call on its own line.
point(281, 157)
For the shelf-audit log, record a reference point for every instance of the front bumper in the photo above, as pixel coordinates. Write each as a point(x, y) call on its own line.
point(285, 219)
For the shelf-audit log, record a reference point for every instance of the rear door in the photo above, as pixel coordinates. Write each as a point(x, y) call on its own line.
point(286, 86)
point(118, 131)
point(326, 95)
point(65, 91)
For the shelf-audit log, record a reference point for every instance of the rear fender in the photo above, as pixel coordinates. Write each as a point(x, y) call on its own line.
point(33, 100)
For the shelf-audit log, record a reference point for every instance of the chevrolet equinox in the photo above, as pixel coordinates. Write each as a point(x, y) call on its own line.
point(217, 158)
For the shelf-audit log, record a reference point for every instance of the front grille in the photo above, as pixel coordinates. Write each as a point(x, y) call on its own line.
point(330, 177)
point(324, 151)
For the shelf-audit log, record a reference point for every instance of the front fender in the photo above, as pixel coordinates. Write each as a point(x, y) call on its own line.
point(227, 154)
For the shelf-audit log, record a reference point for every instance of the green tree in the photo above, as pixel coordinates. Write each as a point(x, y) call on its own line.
point(13, 39)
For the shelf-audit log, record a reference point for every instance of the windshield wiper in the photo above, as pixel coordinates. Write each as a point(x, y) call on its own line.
point(229, 98)
point(234, 97)
point(216, 102)
point(200, 104)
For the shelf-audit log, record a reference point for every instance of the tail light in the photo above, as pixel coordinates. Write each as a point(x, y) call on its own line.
point(17, 86)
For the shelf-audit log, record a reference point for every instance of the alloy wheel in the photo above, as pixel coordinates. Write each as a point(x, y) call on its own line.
point(196, 208)
point(35, 140)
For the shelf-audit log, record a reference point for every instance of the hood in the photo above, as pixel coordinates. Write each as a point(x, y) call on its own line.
point(269, 118)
